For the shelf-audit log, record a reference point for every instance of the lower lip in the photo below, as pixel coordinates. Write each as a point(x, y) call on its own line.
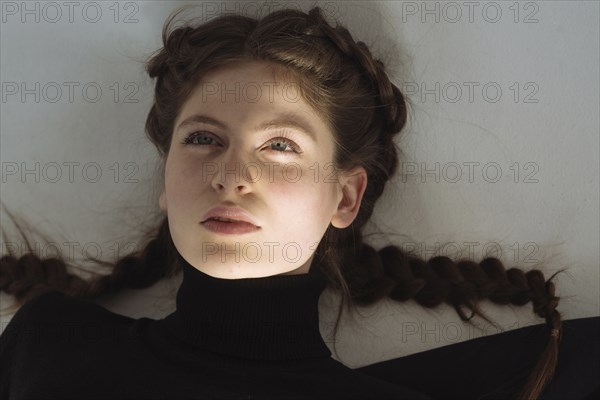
point(229, 228)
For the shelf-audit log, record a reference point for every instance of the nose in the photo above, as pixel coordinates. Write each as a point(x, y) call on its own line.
point(239, 189)
point(233, 176)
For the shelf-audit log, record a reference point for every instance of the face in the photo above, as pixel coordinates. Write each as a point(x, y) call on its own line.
point(245, 139)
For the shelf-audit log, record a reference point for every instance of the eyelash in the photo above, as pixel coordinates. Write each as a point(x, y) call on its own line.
point(283, 135)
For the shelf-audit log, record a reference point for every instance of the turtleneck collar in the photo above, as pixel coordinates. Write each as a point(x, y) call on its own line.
point(267, 318)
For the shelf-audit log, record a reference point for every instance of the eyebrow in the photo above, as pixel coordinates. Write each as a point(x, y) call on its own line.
point(284, 120)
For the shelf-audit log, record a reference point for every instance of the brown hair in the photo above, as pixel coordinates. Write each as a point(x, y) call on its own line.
point(338, 76)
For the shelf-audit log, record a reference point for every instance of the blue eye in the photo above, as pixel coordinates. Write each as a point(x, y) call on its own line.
point(287, 142)
point(205, 138)
point(190, 138)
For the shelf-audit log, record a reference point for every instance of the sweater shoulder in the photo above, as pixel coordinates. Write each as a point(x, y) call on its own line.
point(34, 309)
point(51, 332)
point(55, 303)
point(55, 308)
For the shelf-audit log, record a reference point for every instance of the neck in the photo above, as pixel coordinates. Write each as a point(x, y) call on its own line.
point(270, 318)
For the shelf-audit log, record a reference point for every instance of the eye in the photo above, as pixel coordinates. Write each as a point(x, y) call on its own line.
point(279, 141)
point(205, 138)
point(282, 142)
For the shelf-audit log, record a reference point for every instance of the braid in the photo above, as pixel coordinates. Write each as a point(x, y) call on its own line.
point(389, 96)
point(390, 272)
point(29, 276)
point(406, 284)
point(138, 271)
point(439, 280)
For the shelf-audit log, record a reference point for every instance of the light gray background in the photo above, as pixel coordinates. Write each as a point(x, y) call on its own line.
point(541, 132)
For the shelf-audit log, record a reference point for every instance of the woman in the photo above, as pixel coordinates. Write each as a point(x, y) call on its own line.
point(277, 139)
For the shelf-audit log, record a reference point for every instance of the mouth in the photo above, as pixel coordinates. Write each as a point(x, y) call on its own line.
point(228, 226)
point(230, 215)
point(222, 219)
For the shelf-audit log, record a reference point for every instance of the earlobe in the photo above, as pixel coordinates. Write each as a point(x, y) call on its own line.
point(353, 185)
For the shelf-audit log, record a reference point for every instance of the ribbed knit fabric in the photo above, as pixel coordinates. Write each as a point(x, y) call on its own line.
point(269, 318)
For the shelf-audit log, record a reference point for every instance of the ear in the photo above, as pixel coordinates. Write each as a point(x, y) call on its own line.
point(352, 184)
point(162, 200)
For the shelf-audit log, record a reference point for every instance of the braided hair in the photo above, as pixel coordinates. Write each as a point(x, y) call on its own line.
point(351, 90)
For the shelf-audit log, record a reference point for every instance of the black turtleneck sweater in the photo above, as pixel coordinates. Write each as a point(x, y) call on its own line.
point(255, 338)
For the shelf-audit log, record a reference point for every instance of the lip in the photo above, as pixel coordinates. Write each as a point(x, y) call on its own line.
point(229, 228)
point(234, 213)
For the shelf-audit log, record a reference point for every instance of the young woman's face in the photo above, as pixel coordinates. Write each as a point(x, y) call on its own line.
point(254, 144)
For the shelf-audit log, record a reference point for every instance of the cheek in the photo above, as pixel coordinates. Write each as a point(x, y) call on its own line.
point(305, 201)
point(181, 182)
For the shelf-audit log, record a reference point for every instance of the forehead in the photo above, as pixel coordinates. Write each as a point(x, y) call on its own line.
point(250, 87)
point(247, 71)
point(249, 83)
